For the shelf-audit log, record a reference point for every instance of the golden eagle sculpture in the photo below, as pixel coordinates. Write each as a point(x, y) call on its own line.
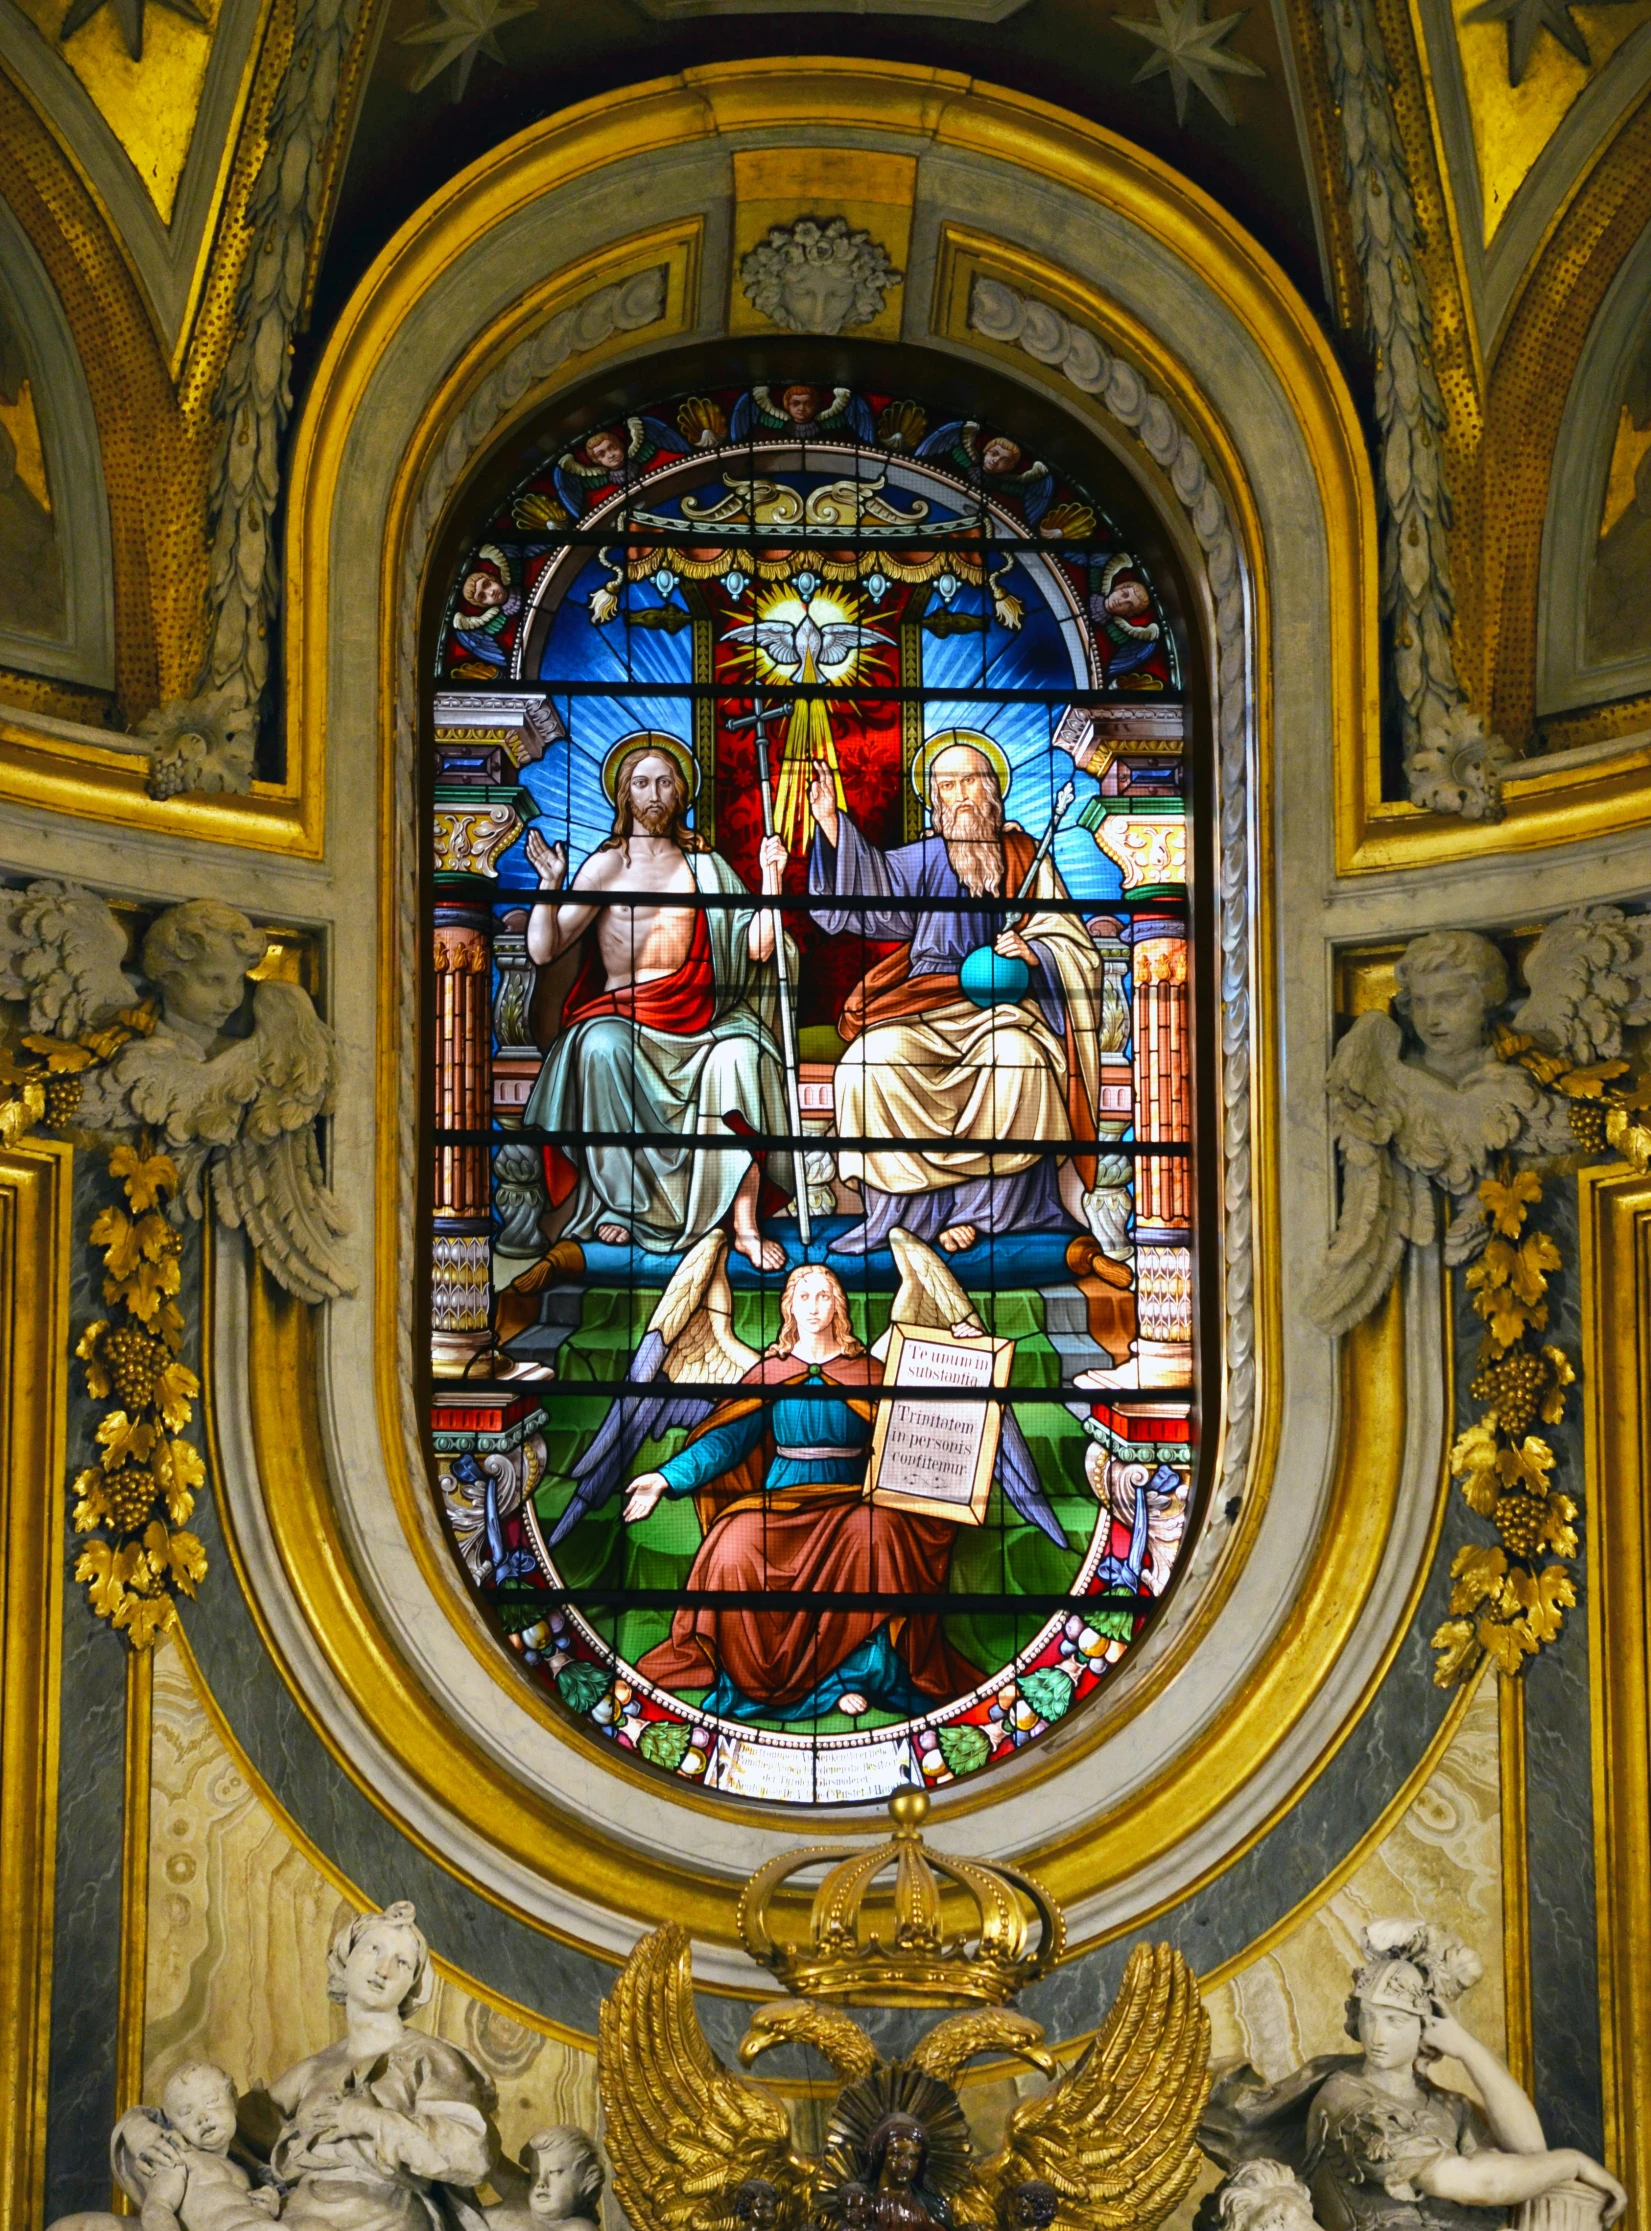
point(1106, 2144)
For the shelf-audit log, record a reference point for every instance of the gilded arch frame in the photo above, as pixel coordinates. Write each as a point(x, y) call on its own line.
point(1386, 1440)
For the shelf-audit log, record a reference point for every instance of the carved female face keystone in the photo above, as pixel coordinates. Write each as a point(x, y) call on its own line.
point(815, 276)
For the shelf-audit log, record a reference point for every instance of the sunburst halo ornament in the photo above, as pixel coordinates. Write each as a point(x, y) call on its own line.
point(804, 638)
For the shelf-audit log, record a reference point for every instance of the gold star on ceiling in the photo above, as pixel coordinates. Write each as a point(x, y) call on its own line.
point(129, 15)
point(1526, 21)
point(457, 32)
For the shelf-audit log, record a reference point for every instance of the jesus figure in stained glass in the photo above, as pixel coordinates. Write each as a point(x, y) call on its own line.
point(666, 1033)
point(926, 1064)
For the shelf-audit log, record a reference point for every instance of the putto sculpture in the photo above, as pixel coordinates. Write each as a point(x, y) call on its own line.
point(237, 1114)
point(1370, 2139)
point(1433, 1094)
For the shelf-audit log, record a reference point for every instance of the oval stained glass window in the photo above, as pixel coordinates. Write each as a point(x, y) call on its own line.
point(813, 1388)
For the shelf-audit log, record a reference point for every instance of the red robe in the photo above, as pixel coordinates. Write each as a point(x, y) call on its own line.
point(822, 1539)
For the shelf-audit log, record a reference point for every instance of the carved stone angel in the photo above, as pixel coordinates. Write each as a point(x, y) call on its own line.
point(237, 1114)
point(1438, 1114)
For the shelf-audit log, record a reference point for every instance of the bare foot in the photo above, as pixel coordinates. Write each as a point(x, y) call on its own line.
point(764, 1254)
point(851, 1704)
point(956, 1237)
point(613, 1235)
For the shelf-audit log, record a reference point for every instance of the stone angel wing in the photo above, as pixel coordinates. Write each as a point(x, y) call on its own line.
point(930, 1296)
point(1589, 973)
point(683, 2132)
point(690, 1342)
point(242, 1127)
point(1385, 1205)
point(1117, 2138)
point(61, 949)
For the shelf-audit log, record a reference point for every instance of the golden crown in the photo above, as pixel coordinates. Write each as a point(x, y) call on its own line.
point(847, 1962)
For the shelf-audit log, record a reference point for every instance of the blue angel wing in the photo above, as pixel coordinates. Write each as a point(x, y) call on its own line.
point(857, 411)
point(1035, 495)
point(946, 442)
point(574, 492)
point(689, 1343)
point(664, 437)
point(746, 418)
point(632, 1419)
point(1017, 1475)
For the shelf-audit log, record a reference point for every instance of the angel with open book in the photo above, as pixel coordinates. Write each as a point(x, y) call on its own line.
point(777, 1464)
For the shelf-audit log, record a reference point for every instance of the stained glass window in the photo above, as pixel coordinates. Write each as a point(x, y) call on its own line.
point(811, 1236)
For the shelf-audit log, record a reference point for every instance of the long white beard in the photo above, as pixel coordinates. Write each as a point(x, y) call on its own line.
point(974, 846)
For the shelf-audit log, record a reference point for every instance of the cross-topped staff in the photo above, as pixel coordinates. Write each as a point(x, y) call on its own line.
point(759, 720)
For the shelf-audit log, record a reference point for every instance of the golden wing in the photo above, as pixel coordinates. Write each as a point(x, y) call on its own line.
point(684, 2133)
point(1118, 2138)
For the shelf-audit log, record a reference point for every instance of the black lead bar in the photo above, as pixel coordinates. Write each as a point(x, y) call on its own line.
point(807, 1599)
point(810, 1142)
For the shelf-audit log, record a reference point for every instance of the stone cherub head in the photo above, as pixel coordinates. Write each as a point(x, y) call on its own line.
point(1264, 2196)
point(1450, 984)
point(816, 276)
point(197, 956)
point(567, 2177)
point(199, 2102)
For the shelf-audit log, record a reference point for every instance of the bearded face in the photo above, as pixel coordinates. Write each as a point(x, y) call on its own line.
point(973, 830)
point(654, 815)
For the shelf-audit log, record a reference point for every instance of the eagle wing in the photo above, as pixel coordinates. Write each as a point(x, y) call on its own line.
point(1118, 2137)
point(689, 1342)
point(683, 2132)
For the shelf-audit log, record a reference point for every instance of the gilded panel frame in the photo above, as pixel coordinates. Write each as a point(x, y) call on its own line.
point(1615, 1279)
point(34, 1344)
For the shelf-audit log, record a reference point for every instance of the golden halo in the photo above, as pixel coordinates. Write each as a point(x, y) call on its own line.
point(650, 739)
point(932, 746)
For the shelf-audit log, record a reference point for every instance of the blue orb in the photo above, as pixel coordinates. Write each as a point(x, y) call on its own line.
point(993, 979)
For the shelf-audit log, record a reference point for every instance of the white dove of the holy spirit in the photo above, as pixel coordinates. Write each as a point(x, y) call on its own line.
point(791, 643)
point(805, 649)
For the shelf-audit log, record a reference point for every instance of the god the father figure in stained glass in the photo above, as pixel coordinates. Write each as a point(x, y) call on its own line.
point(667, 1031)
point(925, 1062)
